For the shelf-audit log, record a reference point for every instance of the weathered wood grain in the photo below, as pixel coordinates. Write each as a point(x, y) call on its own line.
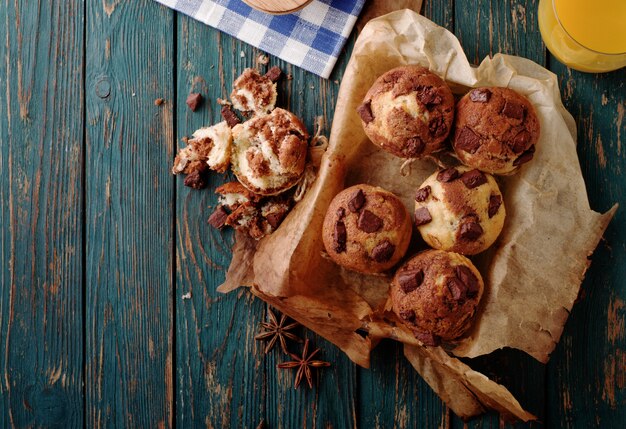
point(41, 128)
point(129, 215)
point(510, 27)
point(223, 378)
point(587, 372)
point(219, 367)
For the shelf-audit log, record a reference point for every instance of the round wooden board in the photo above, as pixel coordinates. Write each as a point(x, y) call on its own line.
point(277, 7)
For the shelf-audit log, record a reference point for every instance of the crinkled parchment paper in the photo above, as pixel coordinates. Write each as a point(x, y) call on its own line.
point(533, 273)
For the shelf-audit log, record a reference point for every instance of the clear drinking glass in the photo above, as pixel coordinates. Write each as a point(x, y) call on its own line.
point(586, 35)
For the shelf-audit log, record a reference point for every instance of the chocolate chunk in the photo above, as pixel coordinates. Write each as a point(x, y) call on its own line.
point(218, 217)
point(448, 175)
point(467, 140)
point(369, 222)
point(414, 146)
point(456, 288)
point(408, 315)
point(274, 73)
point(494, 205)
point(422, 194)
point(513, 110)
point(357, 201)
point(427, 338)
point(194, 100)
point(229, 116)
point(525, 157)
point(422, 216)
point(410, 280)
point(383, 251)
point(340, 237)
point(365, 112)
point(274, 219)
point(437, 126)
point(428, 96)
point(467, 277)
point(470, 230)
point(473, 178)
point(480, 95)
point(341, 212)
point(198, 179)
point(520, 142)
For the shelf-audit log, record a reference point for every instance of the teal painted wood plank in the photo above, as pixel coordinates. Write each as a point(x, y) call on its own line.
point(216, 331)
point(219, 372)
point(391, 393)
point(486, 28)
point(586, 378)
point(41, 125)
point(129, 215)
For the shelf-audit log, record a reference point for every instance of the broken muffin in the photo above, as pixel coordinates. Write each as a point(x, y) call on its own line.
point(207, 148)
point(253, 92)
point(269, 152)
point(248, 212)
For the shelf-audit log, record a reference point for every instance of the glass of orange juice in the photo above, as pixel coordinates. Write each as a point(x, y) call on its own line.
point(586, 35)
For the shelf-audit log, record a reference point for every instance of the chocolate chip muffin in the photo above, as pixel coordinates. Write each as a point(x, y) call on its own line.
point(366, 229)
point(269, 152)
point(408, 112)
point(253, 92)
point(436, 294)
point(460, 210)
point(496, 130)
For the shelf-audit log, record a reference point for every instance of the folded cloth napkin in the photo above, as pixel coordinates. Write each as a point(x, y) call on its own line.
point(310, 38)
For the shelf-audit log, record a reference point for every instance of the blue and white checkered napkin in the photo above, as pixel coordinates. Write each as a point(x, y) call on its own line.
point(311, 38)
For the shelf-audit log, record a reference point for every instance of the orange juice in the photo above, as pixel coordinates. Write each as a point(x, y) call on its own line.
point(584, 34)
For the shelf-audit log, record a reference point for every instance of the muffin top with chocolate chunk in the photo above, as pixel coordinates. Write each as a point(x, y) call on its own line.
point(408, 111)
point(366, 229)
point(496, 130)
point(460, 210)
point(436, 294)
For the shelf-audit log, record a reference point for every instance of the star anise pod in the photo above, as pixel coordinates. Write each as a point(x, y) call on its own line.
point(304, 364)
point(277, 330)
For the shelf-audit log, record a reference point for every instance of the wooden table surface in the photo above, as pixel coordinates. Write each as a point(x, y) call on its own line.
point(100, 242)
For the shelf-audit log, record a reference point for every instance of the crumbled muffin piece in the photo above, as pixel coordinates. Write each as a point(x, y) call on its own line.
point(435, 294)
point(245, 211)
point(211, 145)
point(269, 152)
point(253, 92)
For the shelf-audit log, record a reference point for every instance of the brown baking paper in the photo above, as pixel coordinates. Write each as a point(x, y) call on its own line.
point(533, 272)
